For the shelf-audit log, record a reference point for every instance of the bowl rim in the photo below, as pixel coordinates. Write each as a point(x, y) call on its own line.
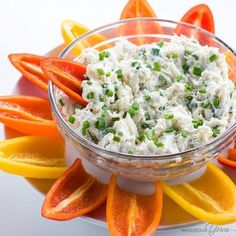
point(94, 147)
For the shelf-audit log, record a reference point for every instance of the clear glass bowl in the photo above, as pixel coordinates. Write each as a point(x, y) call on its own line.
point(141, 167)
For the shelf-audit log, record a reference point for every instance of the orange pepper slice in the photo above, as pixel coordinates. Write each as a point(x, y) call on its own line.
point(139, 8)
point(210, 198)
point(201, 16)
point(132, 214)
point(29, 66)
point(74, 194)
point(67, 75)
point(230, 161)
point(231, 60)
point(29, 115)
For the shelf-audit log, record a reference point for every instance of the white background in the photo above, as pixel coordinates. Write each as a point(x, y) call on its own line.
point(34, 27)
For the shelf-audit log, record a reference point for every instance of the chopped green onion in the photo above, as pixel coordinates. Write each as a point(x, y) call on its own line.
point(85, 126)
point(101, 98)
point(185, 68)
point(234, 85)
point(184, 133)
point(169, 130)
point(100, 71)
point(168, 116)
point(109, 92)
point(119, 74)
point(144, 126)
point(216, 102)
point(90, 95)
point(187, 53)
point(156, 66)
point(103, 55)
point(149, 66)
point(100, 123)
point(61, 102)
point(195, 56)
point(112, 131)
point(198, 122)
point(188, 88)
point(206, 105)
point(120, 133)
point(89, 82)
point(215, 131)
point(71, 119)
point(130, 152)
point(160, 44)
point(155, 51)
point(148, 115)
point(115, 119)
point(108, 74)
point(132, 112)
point(78, 106)
point(197, 71)
point(202, 90)
point(179, 78)
point(135, 106)
point(159, 144)
point(141, 137)
point(147, 97)
point(175, 55)
point(213, 57)
point(105, 110)
point(116, 139)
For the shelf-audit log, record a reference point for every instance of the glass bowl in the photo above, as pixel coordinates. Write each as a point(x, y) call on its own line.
point(143, 168)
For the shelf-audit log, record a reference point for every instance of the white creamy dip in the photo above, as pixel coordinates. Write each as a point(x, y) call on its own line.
point(155, 98)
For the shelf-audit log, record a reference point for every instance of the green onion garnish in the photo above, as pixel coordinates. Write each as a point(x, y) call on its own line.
point(215, 131)
point(100, 123)
point(197, 71)
point(78, 106)
point(147, 97)
point(156, 66)
point(188, 88)
point(168, 116)
point(100, 71)
point(108, 74)
point(71, 119)
point(179, 78)
point(155, 51)
point(131, 111)
point(216, 102)
point(169, 130)
point(101, 98)
point(213, 57)
point(85, 126)
point(103, 55)
point(109, 92)
point(61, 102)
point(116, 138)
point(135, 106)
point(144, 126)
point(184, 133)
point(198, 122)
point(159, 144)
point(185, 68)
point(119, 74)
point(160, 44)
point(141, 137)
point(148, 115)
point(90, 95)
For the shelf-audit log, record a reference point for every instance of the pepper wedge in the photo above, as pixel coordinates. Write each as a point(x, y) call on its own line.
point(29, 115)
point(74, 194)
point(132, 214)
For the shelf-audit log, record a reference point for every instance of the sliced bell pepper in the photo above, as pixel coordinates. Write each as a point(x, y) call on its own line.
point(231, 60)
point(29, 66)
point(201, 16)
point(67, 75)
point(71, 30)
point(135, 9)
point(132, 214)
point(29, 115)
point(74, 194)
point(210, 198)
point(230, 161)
point(30, 156)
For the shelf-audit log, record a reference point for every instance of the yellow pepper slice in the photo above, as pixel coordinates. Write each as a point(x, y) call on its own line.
point(71, 30)
point(211, 198)
point(33, 157)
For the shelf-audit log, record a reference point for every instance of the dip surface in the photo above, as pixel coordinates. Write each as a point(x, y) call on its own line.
point(153, 99)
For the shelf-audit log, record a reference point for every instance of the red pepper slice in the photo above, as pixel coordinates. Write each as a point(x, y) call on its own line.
point(230, 161)
point(29, 66)
point(74, 194)
point(139, 8)
point(67, 75)
point(201, 16)
point(29, 115)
